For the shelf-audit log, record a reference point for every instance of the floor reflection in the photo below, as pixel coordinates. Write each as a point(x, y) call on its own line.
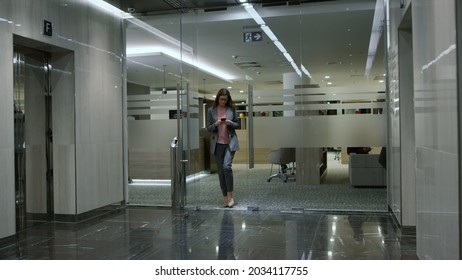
point(149, 233)
point(226, 240)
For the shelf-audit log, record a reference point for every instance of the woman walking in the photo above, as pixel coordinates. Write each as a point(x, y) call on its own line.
point(222, 121)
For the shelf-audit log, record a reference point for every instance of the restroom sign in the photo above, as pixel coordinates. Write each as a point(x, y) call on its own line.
point(253, 37)
point(47, 28)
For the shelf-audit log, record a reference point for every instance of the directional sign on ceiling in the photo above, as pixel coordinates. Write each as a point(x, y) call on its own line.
point(253, 37)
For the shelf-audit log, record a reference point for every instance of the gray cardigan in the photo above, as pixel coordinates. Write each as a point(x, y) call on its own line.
point(212, 117)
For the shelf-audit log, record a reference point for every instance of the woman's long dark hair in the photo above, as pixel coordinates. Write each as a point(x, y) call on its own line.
point(224, 92)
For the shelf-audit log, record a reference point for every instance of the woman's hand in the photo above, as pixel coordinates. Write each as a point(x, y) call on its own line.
point(226, 122)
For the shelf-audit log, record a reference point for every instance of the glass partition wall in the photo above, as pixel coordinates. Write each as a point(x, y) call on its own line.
point(166, 109)
point(154, 83)
point(265, 56)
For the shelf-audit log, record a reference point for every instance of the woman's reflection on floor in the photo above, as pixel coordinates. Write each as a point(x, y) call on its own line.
point(226, 240)
point(356, 223)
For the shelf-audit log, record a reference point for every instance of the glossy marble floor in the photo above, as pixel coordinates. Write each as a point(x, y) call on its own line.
point(144, 233)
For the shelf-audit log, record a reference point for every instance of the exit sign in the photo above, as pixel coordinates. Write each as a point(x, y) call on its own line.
point(253, 37)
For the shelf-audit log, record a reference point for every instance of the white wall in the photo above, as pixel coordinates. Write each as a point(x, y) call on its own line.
point(437, 155)
point(433, 203)
point(7, 194)
point(94, 154)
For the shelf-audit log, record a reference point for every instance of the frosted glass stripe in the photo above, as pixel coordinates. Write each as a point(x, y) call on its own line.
point(159, 97)
point(320, 107)
point(328, 90)
point(148, 112)
point(155, 111)
point(157, 104)
point(151, 134)
point(319, 98)
point(320, 131)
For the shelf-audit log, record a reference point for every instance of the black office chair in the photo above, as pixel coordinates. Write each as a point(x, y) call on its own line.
point(282, 157)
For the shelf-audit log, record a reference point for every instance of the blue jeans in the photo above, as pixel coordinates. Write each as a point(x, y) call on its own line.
point(224, 158)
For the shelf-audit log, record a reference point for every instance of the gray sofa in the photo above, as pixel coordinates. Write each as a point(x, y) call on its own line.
point(365, 170)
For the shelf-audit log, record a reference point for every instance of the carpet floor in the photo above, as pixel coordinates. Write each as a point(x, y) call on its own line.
point(252, 191)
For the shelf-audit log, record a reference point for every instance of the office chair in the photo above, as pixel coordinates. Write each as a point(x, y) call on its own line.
point(282, 157)
point(337, 153)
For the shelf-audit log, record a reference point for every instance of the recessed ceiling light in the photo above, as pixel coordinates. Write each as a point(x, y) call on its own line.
point(327, 77)
point(329, 83)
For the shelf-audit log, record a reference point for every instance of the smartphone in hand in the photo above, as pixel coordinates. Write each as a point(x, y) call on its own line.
point(223, 119)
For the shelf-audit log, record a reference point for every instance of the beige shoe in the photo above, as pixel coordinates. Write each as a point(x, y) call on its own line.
point(231, 203)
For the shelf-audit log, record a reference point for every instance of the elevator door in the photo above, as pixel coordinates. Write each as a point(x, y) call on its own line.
point(33, 137)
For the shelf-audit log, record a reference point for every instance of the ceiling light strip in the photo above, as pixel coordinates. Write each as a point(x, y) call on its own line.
point(151, 29)
point(103, 5)
point(121, 14)
point(304, 70)
point(268, 32)
point(280, 47)
point(176, 54)
point(253, 13)
point(259, 20)
point(155, 50)
point(376, 32)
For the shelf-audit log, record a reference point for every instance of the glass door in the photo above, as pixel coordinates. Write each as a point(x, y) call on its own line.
point(220, 59)
point(160, 109)
point(193, 134)
point(188, 55)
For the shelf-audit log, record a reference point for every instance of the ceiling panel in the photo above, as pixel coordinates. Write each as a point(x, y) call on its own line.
point(140, 7)
point(328, 37)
